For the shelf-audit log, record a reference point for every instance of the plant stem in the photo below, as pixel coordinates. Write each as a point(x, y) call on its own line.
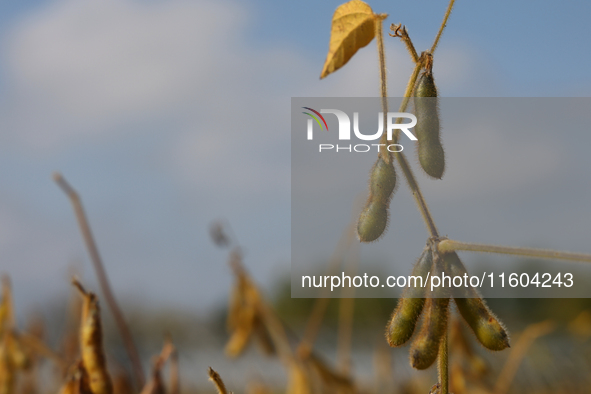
point(406, 98)
point(416, 192)
point(443, 366)
point(443, 24)
point(95, 257)
point(379, 33)
point(442, 359)
point(217, 381)
point(448, 245)
point(345, 334)
point(382, 58)
point(528, 336)
point(346, 314)
point(400, 31)
point(322, 301)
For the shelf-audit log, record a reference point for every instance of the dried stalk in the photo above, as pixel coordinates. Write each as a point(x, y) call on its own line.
point(102, 278)
point(321, 303)
point(217, 381)
point(529, 335)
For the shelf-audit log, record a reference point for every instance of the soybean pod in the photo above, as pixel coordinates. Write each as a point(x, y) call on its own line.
point(425, 347)
point(488, 329)
point(430, 150)
point(373, 220)
point(410, 305)
point(91, 345)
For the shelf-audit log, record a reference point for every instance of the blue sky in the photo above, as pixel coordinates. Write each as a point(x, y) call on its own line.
point(166, 115)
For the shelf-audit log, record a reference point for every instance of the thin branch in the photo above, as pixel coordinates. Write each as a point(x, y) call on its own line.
point(400, 31)
point(79, 286)
point(406, 98)
point(217, 381)
point(443, 24)
point(276, 331)
point(443, 366)
point(102, 278)
point(346, 314)
point(417, 194)
point(381, 57)
point(155, 384)
point(529, 335)
point(379, 32)
point(448, 245)
point(322, 301)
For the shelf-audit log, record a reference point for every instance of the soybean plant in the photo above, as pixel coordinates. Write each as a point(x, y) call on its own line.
point(354, 26)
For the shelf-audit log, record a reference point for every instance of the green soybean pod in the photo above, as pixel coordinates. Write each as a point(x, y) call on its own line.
point(488, 329)
point(382, 181)
point(410, 305)
point(430, 150)
point(373, 220)
point(425, 347)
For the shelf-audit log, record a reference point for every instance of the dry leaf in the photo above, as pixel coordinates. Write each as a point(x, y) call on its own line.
point(353, 27)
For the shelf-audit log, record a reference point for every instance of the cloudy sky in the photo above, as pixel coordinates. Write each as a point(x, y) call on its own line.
point(166, 115)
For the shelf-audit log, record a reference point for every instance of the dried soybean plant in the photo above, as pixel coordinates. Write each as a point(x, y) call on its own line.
point(355, 25)
point(14, 356)
point(101, 274)
point(21, 351)
point(89, 374)
point(156, 384)
point(94, 364)
point(251, 317)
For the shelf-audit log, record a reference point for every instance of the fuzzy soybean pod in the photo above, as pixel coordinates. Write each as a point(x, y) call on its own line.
point(425, 347)
point(373, 220)
point(91, 344)
point(430, 150)
point(488, 329)
point(410, 305)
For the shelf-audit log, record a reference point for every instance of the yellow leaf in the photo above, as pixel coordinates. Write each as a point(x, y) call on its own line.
point(353, 27)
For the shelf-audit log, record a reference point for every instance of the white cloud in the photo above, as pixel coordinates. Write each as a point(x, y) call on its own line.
point(80, 67)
